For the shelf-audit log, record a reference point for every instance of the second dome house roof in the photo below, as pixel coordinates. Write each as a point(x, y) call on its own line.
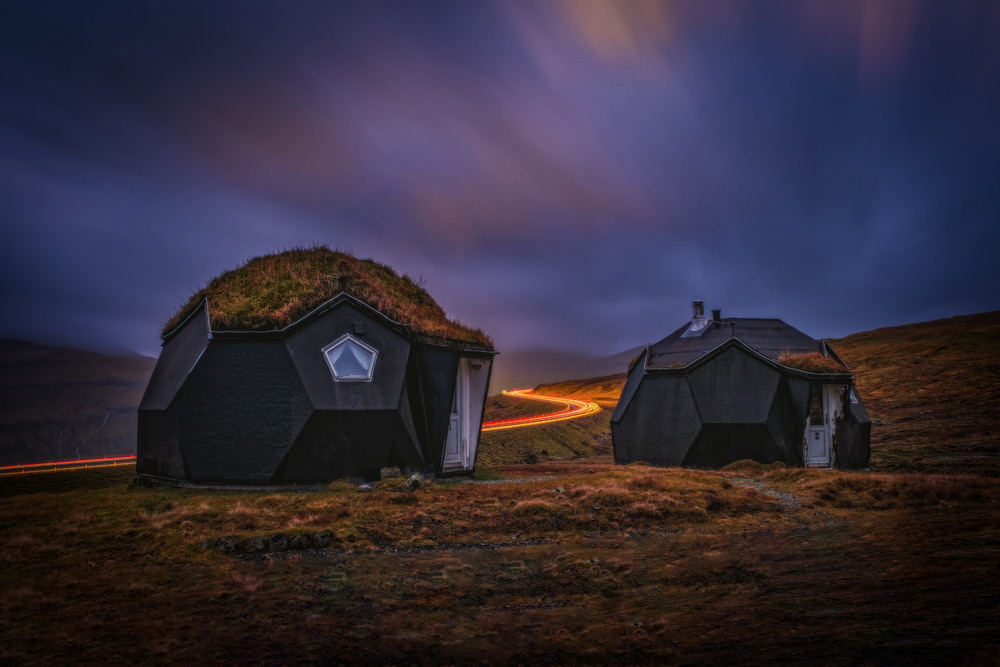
point(769, 337)
point(273, 292)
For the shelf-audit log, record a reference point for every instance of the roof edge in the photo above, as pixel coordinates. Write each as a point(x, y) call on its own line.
point(735, 341)
point(334, 301)
point(187, 318)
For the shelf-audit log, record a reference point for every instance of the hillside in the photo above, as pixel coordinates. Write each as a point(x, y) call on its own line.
point(932, 389)
point(60, 403)
point(517, 369)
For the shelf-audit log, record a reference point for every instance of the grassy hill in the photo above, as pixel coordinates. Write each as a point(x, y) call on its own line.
point(65, 404)
point(517, 369)
point(933, 390)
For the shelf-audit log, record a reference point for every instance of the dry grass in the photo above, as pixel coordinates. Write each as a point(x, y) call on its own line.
point(596, 563)
point(933, 390)
point(272, 291)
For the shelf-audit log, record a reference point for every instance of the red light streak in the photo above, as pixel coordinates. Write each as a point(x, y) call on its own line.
point(573, 410)
point(65, 465)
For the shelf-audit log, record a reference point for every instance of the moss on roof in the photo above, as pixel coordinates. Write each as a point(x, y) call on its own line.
point(813, 362)
point(271, 292)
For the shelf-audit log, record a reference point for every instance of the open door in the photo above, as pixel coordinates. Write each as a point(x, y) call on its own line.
point(466, 415)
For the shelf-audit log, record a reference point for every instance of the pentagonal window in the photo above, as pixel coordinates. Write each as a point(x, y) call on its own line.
point(350, 360)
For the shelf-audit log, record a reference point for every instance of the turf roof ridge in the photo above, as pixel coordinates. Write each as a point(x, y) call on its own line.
point(271, 292)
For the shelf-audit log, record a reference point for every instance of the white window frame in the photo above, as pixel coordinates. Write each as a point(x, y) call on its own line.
point(344, 340)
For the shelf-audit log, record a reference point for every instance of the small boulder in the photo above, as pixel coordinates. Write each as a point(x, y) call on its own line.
point(393, 471)
point(415, 481)
point(227, 544)
point(302, 542)
point(254, 545)
point(279, 542)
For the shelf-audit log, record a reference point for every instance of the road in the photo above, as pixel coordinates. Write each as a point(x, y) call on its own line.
point(572, 409)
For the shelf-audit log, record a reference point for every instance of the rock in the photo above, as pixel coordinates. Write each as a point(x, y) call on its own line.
point(559, 489)
point(387, 473)
point(302, 542)
point(227, 544)
point(323, 538)
point(279, 542)
point(255, 544)
point(364, 487)
point(415, 481)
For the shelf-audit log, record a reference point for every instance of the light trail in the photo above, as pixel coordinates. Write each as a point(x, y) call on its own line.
point(72, 464)
point(574, 409)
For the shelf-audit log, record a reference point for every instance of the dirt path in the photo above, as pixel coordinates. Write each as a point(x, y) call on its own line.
point(789, 500)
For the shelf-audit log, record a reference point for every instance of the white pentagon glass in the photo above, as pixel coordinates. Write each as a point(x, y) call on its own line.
point(350, 360)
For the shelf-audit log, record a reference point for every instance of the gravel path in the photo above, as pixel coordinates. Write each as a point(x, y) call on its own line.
point(789, 500)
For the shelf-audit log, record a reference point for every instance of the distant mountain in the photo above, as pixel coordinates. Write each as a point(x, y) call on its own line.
point(58, 403)
point(518, 369)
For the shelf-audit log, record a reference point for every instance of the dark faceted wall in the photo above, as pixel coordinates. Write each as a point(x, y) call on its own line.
point(853, 437)
point(721, 444)
point(786, 419)
point(239, 411)
point(385, 390)
point(432, 391)
point(337, 444)
point(660, 423)
point(158, 446)
point(734, 387)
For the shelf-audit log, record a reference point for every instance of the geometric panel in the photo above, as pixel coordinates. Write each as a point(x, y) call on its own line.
point(239, 411)
point(787, 420)
point(350, 360)
point(721, 444)
point(338, 443)
point(734, 388)
point(853, 436)
point(177, 357)
point(659, 423)
point(381, 391)
point(631, 385)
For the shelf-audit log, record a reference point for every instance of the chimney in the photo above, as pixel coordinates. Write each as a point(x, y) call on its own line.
point(717, 316)
point(698, 321)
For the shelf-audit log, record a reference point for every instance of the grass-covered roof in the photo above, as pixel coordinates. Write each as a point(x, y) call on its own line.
point(270, 292)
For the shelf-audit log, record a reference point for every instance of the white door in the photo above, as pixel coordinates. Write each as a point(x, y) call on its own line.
point(824, 411)
point(817, 446)
point(456, 449)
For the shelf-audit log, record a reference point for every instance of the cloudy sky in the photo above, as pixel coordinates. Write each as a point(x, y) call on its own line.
point(562, 174)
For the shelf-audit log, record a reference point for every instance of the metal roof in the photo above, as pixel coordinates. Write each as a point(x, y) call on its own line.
point(771, 338)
